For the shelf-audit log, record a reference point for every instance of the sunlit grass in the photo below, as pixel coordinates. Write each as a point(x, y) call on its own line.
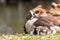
point(30, 37)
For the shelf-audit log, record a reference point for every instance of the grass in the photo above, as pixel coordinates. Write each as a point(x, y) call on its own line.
point(30, 37)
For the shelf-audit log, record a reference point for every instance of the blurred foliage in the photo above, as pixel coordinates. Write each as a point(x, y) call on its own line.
point(30, 37)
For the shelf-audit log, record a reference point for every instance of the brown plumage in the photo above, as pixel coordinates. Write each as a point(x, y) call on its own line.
point(54, 9)
point(39, 10)
point(44, 21)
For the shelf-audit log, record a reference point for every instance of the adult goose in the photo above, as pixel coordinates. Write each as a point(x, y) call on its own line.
point(33, 22)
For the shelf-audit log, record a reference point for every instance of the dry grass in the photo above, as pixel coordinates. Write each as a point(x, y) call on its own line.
point(30, 37)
